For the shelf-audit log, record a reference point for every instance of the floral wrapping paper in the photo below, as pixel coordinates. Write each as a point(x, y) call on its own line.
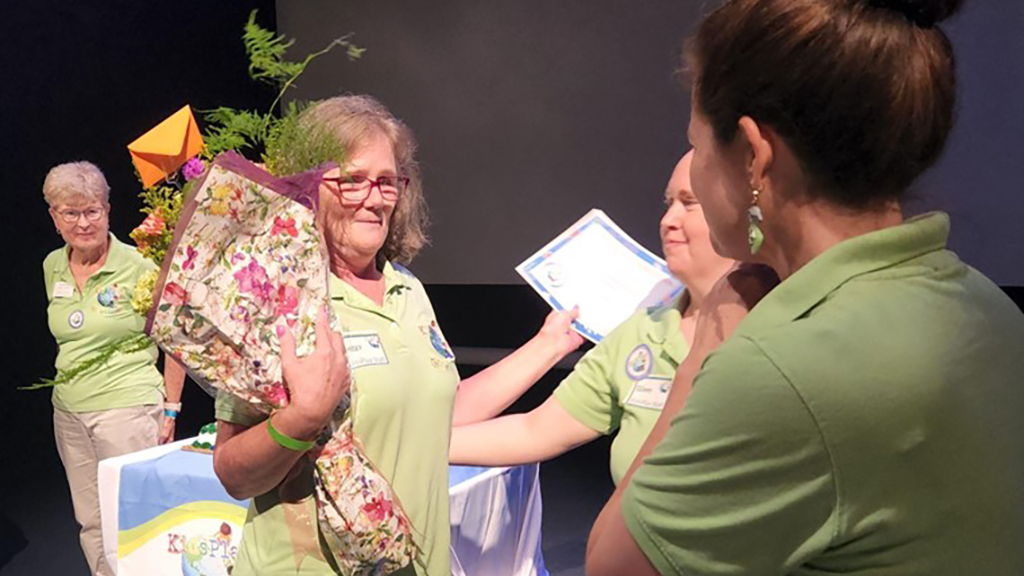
point(247, 256)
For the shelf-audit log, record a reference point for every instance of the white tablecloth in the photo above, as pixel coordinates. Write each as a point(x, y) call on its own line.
point(165, 513)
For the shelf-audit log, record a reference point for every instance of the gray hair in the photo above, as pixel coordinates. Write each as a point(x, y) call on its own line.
point(353, 121)
point(75, 180)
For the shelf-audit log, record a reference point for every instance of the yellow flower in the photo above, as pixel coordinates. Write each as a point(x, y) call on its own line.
point(142, 295)
point(219, 208)
point(220, 194)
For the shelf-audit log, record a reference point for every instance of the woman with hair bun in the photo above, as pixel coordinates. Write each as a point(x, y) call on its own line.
point(864, 418)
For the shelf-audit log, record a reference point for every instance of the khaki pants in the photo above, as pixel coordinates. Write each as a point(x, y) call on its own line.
point(85, 438)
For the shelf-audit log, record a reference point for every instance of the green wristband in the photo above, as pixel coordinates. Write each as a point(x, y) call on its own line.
point(287, 441)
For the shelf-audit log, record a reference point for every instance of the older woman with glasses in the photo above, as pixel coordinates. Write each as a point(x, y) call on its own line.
point(406, 388)
point(121, 406)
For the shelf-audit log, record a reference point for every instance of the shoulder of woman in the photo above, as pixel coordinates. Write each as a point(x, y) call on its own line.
point(634, 332)
point(402, 270)
point(132, 257)
point(405, 276)
point(52, 258)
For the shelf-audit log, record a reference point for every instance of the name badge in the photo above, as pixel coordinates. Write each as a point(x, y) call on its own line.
point(62, 289)
point(364, 349)
point(650, 392)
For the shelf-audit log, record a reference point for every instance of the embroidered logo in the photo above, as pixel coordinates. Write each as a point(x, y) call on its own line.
point(440, 346)
point(638, 363)
point(76, 319)
point(108, 297)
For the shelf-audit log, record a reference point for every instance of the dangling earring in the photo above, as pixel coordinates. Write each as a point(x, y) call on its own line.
point(754, 235)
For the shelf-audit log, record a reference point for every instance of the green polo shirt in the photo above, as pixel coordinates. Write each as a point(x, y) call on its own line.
point(622, 383)
point(864, 419)
point(84, 322)
point(404, 380)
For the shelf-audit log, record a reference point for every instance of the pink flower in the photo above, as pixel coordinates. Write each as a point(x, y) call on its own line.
point(153, 225)
point(175, 295)
point(193, 168)
point(287, 226)
point(253, 280)
point(190, 259)
point(377, 509)
point(277, 395)
point(286, 300)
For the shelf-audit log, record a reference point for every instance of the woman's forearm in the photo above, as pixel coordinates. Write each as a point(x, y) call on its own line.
point(491, 391)
point(536, 436)
point(174, 379)
point(249, 462)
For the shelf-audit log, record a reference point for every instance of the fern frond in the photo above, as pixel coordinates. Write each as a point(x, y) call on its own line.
point(287, 145)
point(294, 145)
point(230, 129)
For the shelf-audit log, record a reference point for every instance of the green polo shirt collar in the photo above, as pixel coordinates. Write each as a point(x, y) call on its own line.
point(395, 282)
point(664, 331)
point(843, 262)
point(116, 260)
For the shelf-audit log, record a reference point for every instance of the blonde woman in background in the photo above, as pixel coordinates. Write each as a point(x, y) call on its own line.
point(126, 405)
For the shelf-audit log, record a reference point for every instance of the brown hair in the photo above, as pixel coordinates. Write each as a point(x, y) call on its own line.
point(864, 91)
point(355, 119)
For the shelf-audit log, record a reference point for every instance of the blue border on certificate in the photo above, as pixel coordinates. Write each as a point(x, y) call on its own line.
point(629, 243)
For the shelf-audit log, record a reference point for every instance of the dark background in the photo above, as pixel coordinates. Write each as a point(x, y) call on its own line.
point(532, 112)
point(528, 113)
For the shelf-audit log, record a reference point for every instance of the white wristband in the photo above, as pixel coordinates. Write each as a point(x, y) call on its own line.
point(175, 406)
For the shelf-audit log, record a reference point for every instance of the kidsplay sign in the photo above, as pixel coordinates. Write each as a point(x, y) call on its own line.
point(165, 513)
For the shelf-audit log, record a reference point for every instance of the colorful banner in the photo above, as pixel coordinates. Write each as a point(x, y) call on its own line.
point(175, 518)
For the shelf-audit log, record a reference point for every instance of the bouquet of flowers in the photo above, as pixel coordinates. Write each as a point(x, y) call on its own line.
point(245, 257)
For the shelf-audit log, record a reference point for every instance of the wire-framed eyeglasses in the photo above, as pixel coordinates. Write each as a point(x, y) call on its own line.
point(72, 216)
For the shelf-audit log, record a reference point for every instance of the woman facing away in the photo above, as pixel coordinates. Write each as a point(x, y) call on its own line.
point(864, 418)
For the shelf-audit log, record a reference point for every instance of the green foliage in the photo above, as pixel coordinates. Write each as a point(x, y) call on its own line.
point(266, 54)
point(162, 205)
point(286, 144)
point(293, 145)
point(163, 200)
point(126, 345)
point(230, 129)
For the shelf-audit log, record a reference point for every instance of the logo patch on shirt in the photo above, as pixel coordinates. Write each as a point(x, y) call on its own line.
point(638, 363)
point(440, 346)
point(108, 297)
point(76, 319)
point(650, 392)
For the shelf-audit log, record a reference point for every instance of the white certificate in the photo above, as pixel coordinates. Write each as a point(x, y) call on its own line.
point(598, 267)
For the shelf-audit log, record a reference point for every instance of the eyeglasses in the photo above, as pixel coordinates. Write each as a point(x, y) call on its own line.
point(72, 216)
point(356, 188)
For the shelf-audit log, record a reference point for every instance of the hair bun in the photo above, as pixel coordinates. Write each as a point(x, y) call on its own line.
point(924, 13)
